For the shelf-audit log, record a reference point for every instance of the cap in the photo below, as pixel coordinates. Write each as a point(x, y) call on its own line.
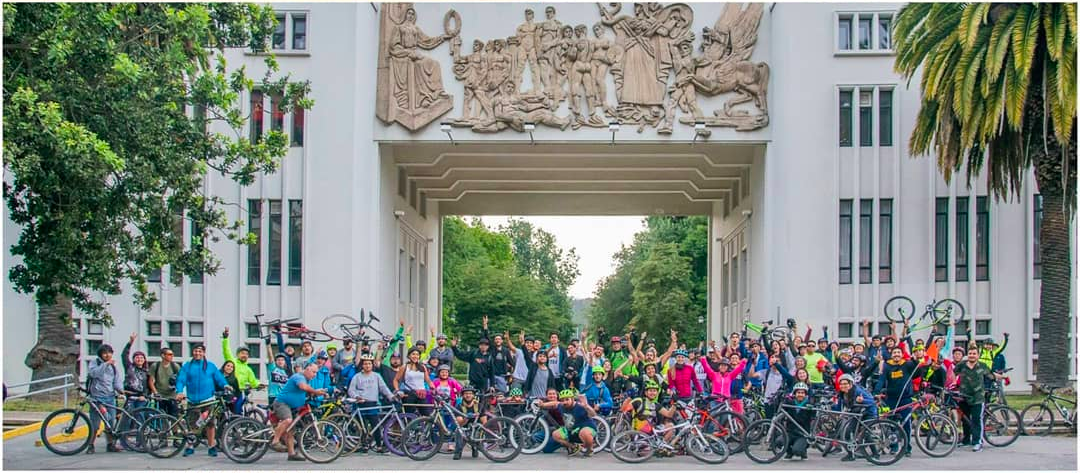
point(323, 355)
point(420, 342)
point(484, 341)
point(440, 336)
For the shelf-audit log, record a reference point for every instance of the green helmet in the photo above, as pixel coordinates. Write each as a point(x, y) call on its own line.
point(566, 394)
point(599, 370)
point(515, 392)
point(650, 384)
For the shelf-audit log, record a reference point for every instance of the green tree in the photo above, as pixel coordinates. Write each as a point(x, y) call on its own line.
point(538, 256)
point(999, 91)
point(107, 109)
point(661, 299)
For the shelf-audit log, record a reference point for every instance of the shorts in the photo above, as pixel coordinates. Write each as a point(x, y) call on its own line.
point(281, 411)
point(643, 425)
point(195, 412)
point(575, 435)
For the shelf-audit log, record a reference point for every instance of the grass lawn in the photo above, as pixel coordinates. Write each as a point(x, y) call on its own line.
point(1020, 401)
point(30, 405)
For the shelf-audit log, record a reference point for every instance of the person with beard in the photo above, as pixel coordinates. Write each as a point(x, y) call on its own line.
point(344, 357)
point(802, 413)
point(442, 351)
point(480, 363)
point(501, 359)
point(573, 366)
point(851, 397)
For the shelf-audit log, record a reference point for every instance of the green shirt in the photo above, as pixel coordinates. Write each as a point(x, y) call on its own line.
point(162, 372)
point(971, 381)
point(812, 369)
point(245, 377)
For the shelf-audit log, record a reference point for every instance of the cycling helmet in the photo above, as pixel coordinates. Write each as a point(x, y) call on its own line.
point(847, 377)
point(367, 357)
point(800, 387)
point(421, 342)
point(616, 339)
point(515, 392)
point(441, 336)
point(566, 394)
point(650, 384)
point(681, 352)
point(599, 370)
point(468, 389)
point(443, 367)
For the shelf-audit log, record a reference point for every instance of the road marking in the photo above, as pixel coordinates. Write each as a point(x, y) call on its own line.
point(36, 426)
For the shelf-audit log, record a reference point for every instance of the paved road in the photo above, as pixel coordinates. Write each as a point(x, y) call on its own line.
point(1052, 453)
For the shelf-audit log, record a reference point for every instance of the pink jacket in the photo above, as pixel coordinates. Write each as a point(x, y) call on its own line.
point(721, 383)
point(450, 387)
point(681, 378)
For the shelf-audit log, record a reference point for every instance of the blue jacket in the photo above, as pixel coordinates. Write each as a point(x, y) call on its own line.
point(598, 394)
point(321, 381)
point(868, 401)
point(199, 379)
point(760, 365)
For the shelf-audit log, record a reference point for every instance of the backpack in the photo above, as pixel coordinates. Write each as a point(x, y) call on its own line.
point(175, 368)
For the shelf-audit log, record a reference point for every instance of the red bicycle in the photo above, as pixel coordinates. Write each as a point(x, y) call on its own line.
point(290, 328)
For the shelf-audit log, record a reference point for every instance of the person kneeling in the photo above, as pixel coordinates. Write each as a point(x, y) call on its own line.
point(579, 427)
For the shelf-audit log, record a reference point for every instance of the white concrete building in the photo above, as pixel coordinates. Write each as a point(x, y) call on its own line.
point(821, 215)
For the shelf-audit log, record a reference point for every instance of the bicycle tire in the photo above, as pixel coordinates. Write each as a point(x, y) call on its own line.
point(314, 336)
point(700, 446)
point(632, 442)
point(501, 426)
point(163, 436)
point(393, 431)
point(68, 428)
point(322, 436)
point(331, 325)
point(351, 429)
point(770, 440)
point(997, 420)
point(732, 429)
point(944, 305)
point(537, 433)
point(246, 440)
point(129, 435)
point(887, 436)
point(936, 435)
point(826, 426)
point(422, 439)
point(899, 309)
point(779, 333)
point(603, 433)
point(1043, 422)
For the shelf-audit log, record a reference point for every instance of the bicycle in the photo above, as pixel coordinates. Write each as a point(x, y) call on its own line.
point(1042, 415)
point(766, 330)
point(1001, 423)
point(247, 440)
point(901, 309)
point(881, 442)
point(499, 439)
point(636, 446)
point(70, 427)
point(344, 327)
point(538, 424)
point(290, 328)
point(164, 435)
point(359, 435)
point(731, 424)
point(935, 433)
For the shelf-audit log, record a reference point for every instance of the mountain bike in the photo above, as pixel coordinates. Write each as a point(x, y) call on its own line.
point(935, 433)
point(164, 436)
point(499, 439)
point(1001, 423)
point(901, 309)
point(345, 327)
point(361, 433)
point(636, 446)
point(767, 331)
point(881, 442)
point(1038, 419)
point(289, 328)
point(246, 440)
point(66, 431)
point(728, 424)
point(538, 425)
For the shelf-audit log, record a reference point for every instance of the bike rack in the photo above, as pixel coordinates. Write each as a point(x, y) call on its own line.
point(68, 384)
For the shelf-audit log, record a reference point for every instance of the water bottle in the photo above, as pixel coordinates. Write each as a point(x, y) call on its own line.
point(203, 419)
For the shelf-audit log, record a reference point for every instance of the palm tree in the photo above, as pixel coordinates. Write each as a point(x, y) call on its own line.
point(999, 91)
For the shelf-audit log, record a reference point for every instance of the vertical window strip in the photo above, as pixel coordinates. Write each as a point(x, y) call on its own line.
point(299, 31)
point(941, 239)
point(885, 121)
point(865, 21)
point(273, 270)
point(256, 116)
point(176, 277)
point(278, 39)
point(885, 246)
point(277, 117)
point(197, 241)
point(843, 33)
point(255, 249)
point(982, 239)
point(884, 32)
point(961, 238)
point(845, 117)
point(296, 235)
point(866, 117)
point(297, 135)
point(845, 241)
point(866, 242)
point(1037, 212)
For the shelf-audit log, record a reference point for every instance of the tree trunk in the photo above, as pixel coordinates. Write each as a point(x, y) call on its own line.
point(56, 352)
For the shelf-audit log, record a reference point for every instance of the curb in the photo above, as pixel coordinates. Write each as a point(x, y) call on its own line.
point(31, 428)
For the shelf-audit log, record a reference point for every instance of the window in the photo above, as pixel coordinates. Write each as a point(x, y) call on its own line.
point(885, 117)
point(735, 279)
point(843, 33)
point(982, 239)
point(273, 271)
point(845, 241)
point(197, 238)
point(153, 329)
point(255, 248)
point(403, 274)
point(299, 31)
point(177, 348)
point(885, 245)
point(727, 277)
point(866, 118)
point(253, 331)
point(278, 40)
point(297, 137)
point(95, 328)
point(255, 369)
point(195, 329)
point(941, 239)
point(865, 22)
point(743, 263)
point(254, 350)
point(866, 242)
point(402, 183)
point(277, 117)
point(845, 329)
point(153, 349)
point(961, 238)
point(982, 327)
point(92, 347)
point(884, 329)
point(296, 235)
point(199, 117)
point(76, 326)
point(423, 205)
point(154, 276)
point(845, 117)
point(412, 275)
point(176, 329)
point(884, 32)
point(1037, 211)
point(256, 115)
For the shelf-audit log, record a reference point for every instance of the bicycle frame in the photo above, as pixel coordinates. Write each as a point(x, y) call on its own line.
point(111, 428)
point(810, 437)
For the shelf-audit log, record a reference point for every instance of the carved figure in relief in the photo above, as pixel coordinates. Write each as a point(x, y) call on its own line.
point(683, 94)
point(605, 55)
point(417, 78)
point(514, 110)
point(548, 40)
point(470, 69)
point(527, 38)
point(579, 57)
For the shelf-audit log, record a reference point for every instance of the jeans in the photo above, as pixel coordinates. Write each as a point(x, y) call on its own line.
point(96, 416)
point(500, 384)
point(973, 423)
point(169, 406)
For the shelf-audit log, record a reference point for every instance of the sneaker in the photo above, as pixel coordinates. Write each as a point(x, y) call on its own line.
point(279, 447)
point(848, 458)
point(90, 449)
point(189, 452)
point(296, 458)
point(212, 451)
point(572, 450)
point(588, 453)
point(112, 448)
point(977, 448)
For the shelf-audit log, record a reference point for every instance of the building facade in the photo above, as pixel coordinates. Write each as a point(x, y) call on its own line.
point(784, 123)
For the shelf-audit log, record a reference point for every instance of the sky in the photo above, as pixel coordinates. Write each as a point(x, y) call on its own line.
point(595, 238)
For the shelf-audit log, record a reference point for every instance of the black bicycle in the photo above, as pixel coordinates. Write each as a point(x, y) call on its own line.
point(67, 431)
point(1038, 419)
point(901, 309)
point(345, 327)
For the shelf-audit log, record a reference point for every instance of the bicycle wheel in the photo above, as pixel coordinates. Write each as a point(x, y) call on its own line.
point(314, 336)
point(706, 448)
point(632, 446)
point(130, 424)
point(619, 422)
point(779, 333)
point(61, 432)
point(1001, 425)
point(882, 442)
point(163, 436)
point(393, 432)
point(731, 428)
point(500, 439)
point(246, 440)
point(936, 435)
point(536, 431)
point(899, 308)
point(351, 430)
point(1037, 419)
point(603, 433)
point(827, 427)
point(950, 308)
point(331, 325)
point(422, 438)
point(322, 442)
point(765, 441)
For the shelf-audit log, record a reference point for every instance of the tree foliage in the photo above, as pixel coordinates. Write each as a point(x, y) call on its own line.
point(483, 274)
point(108, 118)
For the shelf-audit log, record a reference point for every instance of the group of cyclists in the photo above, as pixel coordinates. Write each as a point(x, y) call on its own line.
point(583, 387)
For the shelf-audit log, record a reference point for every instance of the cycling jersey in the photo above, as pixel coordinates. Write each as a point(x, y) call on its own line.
point(245, 377)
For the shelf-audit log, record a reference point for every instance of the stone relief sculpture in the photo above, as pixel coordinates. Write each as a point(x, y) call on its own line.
point(650, 60)
point(410, 83)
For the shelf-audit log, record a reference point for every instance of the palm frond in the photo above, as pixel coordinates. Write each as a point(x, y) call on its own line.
point(1025, 35)
point(1054, 26)
point(999, 44)
point(972, 17)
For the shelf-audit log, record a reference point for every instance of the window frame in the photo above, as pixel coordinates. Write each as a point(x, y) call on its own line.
point(875, 17)
point(296, 242)
point(866, 118)
point(982, 238)
point(885, 245)
point(845, 267)
point(1036, 240)
point(273, 268)
point(847, 123)
point(866, 241)
point(885, 117)
point(941, 239)
point(288, 49)
point(255, 226)
point(257, 110)
point(963, 234)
